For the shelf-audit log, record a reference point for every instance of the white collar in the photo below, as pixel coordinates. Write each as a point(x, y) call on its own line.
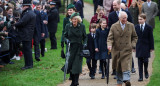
point(148, 2)
point(122, 24)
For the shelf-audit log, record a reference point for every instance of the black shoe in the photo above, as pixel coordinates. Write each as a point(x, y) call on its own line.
point(146, 75)
point(115, 77)
point(140, 79)
point(70, 78)
point(114, 72)
point(102, 77)
point(42, 55)
point(133, 70)
point(26, 67)
point(38, 60)
point(128, 83)
point(92, 77)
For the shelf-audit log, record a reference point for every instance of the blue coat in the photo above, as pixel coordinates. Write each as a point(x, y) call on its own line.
point(101, 44)
point(145, 41)
point(113, 18)
point(79, 8)
point(44, 16)
point(39, 25)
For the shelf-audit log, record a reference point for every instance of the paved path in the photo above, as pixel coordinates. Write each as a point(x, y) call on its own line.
point(85, 80)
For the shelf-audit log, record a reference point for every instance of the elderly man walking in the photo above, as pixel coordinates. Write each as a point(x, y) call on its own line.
point(151, 10)
point(121, 40)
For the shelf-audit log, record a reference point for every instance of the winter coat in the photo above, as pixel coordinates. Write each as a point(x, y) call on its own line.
point(77, 37)
point(122, 42)
point(26, 25)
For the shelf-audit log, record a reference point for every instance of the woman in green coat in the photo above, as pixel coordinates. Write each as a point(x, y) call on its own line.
point(75, 32)
point(70, 10)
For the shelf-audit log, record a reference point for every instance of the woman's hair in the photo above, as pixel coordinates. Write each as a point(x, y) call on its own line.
point(78, 17)
point(99, 9)
point(134, 1)
point(142, 16)
point(100, 21)
point(70, 8)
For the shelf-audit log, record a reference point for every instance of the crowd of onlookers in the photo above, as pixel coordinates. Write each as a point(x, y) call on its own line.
point(10, 41)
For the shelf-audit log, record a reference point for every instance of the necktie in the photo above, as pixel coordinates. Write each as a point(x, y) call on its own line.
point(117, 13)
point(93, 35)
point(141, 28)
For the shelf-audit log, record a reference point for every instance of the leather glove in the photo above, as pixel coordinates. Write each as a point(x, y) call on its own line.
point(62, 44)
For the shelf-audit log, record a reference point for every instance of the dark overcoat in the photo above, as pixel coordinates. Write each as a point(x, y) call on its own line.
point(77, 36)
point(145, 41)
point(79, 8)
point(65, 22)
point(39, 25)
point(113, 18)
point(26, 25)
point(53, 20)
point(44, 17)
point(134, 13)
point(91, 45)
point(101, 44)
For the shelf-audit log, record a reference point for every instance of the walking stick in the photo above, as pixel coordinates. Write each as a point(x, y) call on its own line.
point(66, 64)
point(107, 65)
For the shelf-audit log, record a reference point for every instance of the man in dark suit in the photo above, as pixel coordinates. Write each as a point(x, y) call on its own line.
point(53, 24)
point(91, 47)
point(25, 27)
point(144, 46)
point(113, 18)
point(79, 7)
point(38, 33)
point(44, 19)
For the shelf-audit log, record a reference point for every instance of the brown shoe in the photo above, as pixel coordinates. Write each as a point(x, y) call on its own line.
point(127, 83)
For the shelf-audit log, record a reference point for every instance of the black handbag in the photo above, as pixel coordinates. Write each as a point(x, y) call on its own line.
point(85, 53)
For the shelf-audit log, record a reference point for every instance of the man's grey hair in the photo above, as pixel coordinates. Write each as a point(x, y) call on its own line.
point(122, 13)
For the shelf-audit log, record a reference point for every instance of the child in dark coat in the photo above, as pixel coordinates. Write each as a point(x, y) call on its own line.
point(101, 45)
point(144, 46)
point(91, 48)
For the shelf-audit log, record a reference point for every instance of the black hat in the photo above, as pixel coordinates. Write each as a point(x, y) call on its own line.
point(52, 3)
point(27, 2)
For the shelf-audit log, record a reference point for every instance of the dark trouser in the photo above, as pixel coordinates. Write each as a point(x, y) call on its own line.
point(103, 66)
point(52, 36)
point(91, 67)
point(132, 63)
point(42, 44)
point(5, 56)
point(141, 61)
point(36, 47)
point(95, 7)
point(27, 51)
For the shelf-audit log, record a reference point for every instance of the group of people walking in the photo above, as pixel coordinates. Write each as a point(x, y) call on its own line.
point(125, 29)
point(117, 29)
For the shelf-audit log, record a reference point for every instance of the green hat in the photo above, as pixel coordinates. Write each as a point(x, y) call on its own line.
point(74, 14)
point(70, 6)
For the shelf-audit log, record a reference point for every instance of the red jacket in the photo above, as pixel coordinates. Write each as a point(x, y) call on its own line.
point(94, 20)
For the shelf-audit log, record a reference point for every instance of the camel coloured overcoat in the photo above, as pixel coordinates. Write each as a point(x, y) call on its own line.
point(122, 42)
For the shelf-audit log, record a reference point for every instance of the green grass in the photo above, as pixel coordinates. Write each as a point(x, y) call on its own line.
point(47, 72)
point(155, 78)
point(89, 1)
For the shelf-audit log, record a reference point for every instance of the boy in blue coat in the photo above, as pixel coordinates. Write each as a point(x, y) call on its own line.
point(144, 46)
